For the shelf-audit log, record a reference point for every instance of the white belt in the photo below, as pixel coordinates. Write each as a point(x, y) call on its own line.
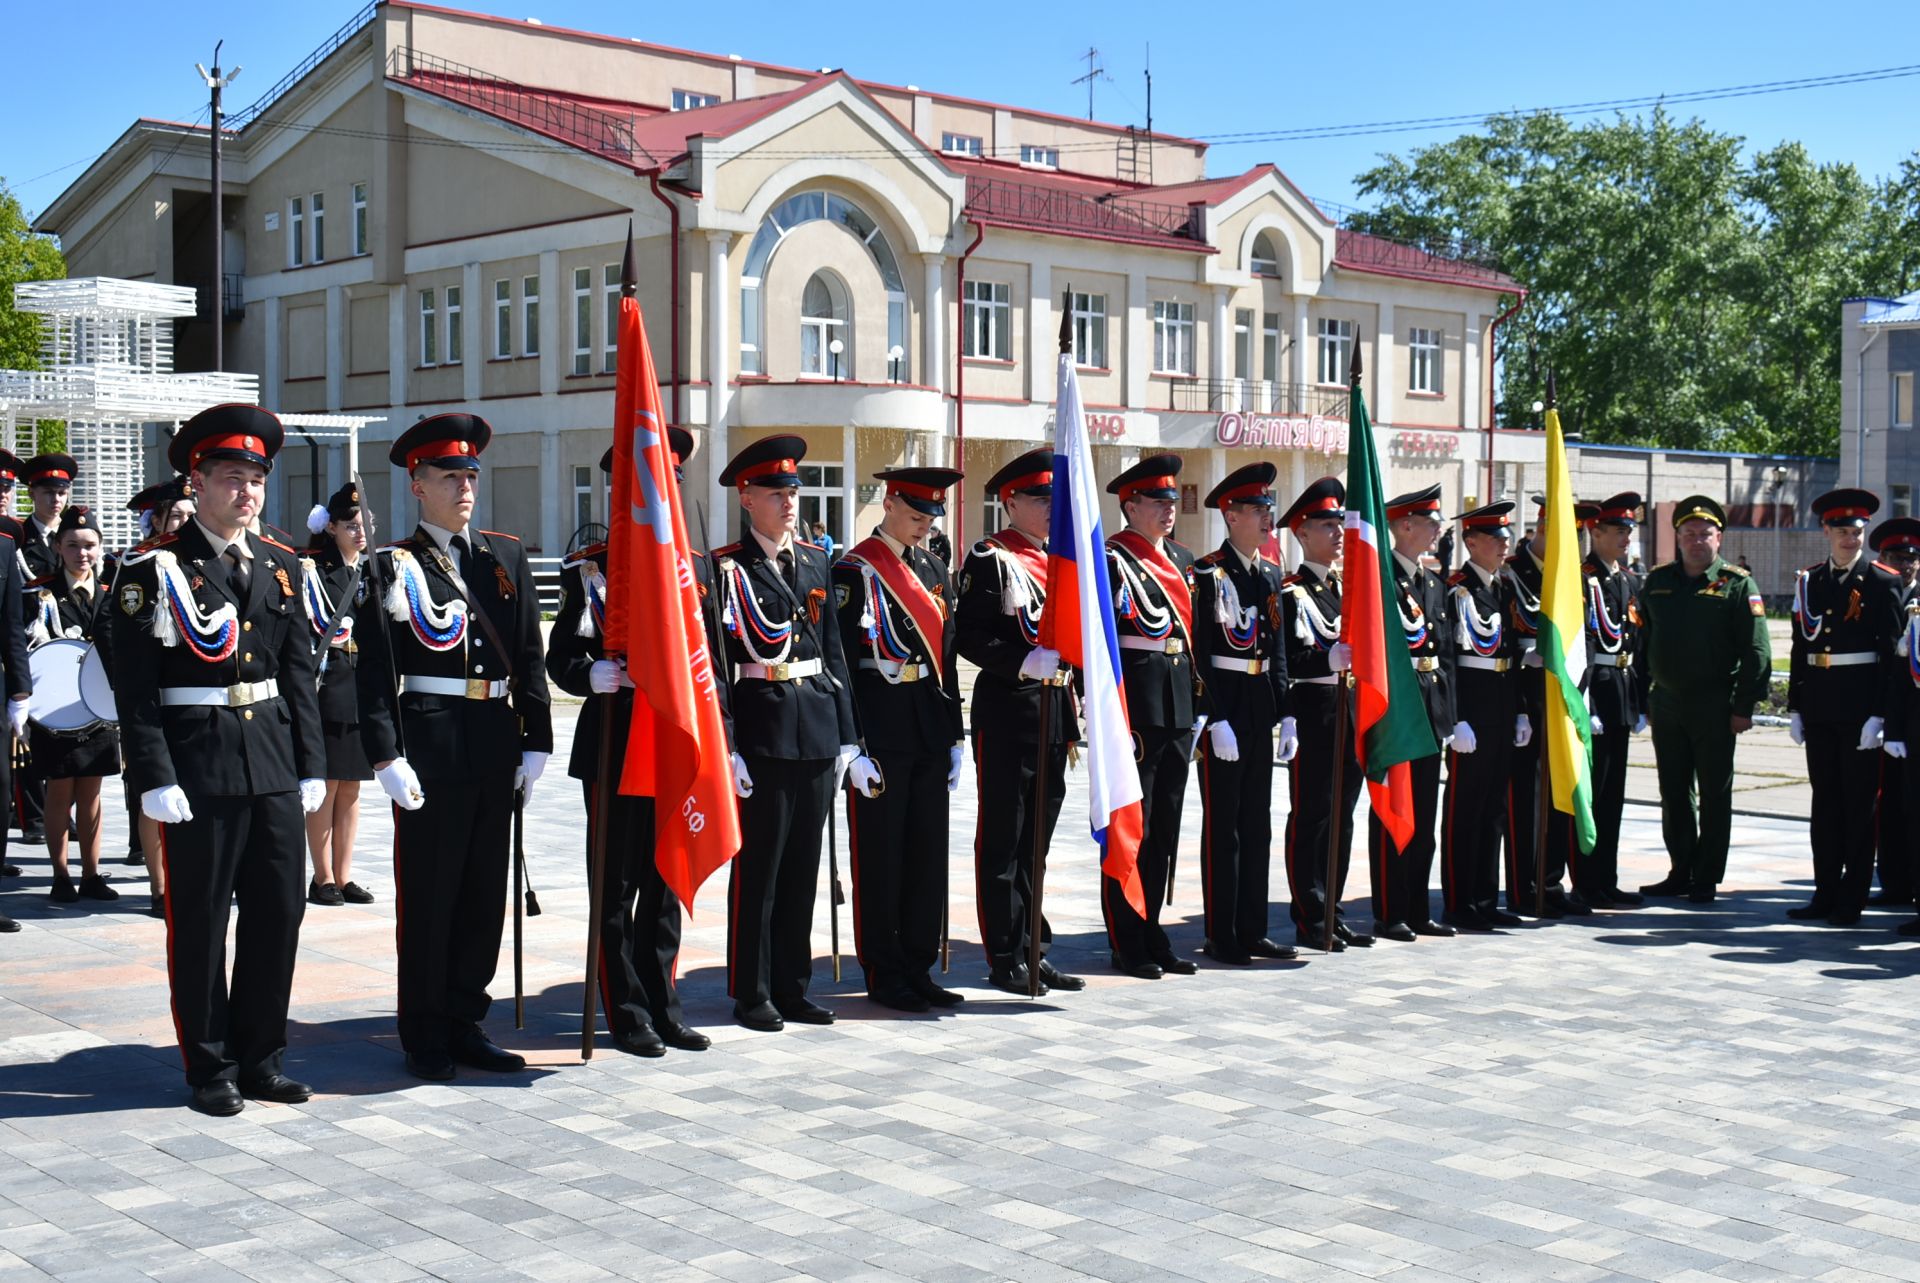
point(1251, 667)
point(1425, 663)
point(1329, 680)
point(792, 672)
point(238, 695)
point(1624, 659)
point(1844, 661)
point(1159, 645)
point(896, 671)
point(458, 687)
point(1491, 664)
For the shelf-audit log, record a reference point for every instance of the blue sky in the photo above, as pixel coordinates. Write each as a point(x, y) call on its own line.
point(1221, 68)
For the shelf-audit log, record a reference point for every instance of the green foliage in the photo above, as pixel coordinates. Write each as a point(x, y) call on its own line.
point(49, 435)
point(23, 257)
point(1683, 294)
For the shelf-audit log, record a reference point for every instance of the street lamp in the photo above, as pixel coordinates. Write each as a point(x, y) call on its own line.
point(215, 82)
point(1779, 485)
point(836, 348)
point(894, 354)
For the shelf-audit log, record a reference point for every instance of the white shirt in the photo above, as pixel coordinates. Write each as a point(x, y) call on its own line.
point(220, 544)
point(1407, 564)
point(1321, 570)
point(1249, 563)
point(443, 539)
point(1486, 576)
point(1844, 571)
point(768, 546)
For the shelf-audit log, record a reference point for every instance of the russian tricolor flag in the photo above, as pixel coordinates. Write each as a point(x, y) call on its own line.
point(1078, 622)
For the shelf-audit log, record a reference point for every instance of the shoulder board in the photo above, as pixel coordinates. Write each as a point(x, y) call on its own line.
point(802, 543)
point(1294, 580)
point(500, 534)
point(1805, 570)
point(1881, 565)
point(1211, 559)
point(726, 550)
point(11, 526)
point(273, 543)
point(598, 550)
point(986, 547)
point(1457, 578)
point(41, 582)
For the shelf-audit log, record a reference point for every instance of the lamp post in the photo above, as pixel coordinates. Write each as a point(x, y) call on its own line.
point(1779, 487)
point(215, 82)
point(894, 354)
point(834, 349)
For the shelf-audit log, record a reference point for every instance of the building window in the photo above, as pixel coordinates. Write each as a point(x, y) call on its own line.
point(960, 144)
point(456, 342)
point(823, 498)
point(688, 100)
point(1090, 330)
point(610, 301)
point(429, 331)
point(359, 219)
point(793, 212)
point(1265, 260)
point(1173, 338)
point(502, 320)
point(1902, 399)
point(1423, 360)
point(296, 232)
point(583, 320)
point(319, 227)
point(823, 322)
point(988, 321)
point(1043, 157)
point(530, 316)
point(1270, 345)
point(1243, 343)
point(583, 491)
point(1336, 350)
point(1900, 499)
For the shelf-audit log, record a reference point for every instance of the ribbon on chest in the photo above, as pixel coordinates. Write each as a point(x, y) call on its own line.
point(178, 617)
point(766, 640)
point(1479, 632)
point(1023, 579)
point(1152, 592)
point(885, 577)
point(1311, 624)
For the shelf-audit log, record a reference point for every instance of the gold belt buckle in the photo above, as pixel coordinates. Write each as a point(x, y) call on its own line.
point(1255, 667)
point(778, 672)
point(1175, 646)
point(911, 672)
point(478, 688)
point(1502, 665)
point(1820, 661)
point(240, 694)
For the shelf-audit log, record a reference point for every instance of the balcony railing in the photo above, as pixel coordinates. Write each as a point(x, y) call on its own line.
point(1254, 396)
point(352, 27)
point(603, 133)
point(1055, 209)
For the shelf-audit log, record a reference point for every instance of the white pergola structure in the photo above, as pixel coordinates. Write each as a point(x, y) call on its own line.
point(106, 351)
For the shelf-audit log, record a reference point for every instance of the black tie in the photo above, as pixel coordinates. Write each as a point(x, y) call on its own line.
point(459, 545)
point(236, 568)
point(83, 595)
point(786, 566)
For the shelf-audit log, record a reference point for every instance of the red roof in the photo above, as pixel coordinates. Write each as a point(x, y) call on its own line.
point(1364, 252)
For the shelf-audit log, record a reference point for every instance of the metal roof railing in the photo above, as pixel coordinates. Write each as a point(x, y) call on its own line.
point(353, 26)
point(601, 132)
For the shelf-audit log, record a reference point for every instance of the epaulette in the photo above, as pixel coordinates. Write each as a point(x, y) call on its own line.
point(805, 543)
point(1881, 565)
point(41, 582)
point(1457, 578)
point(500, 534)
point(1804, 570)
point(727, 550)
point(274, 543)
point(1212, 559)
point(985, 548)
point(1290, 580)
point(584, 556)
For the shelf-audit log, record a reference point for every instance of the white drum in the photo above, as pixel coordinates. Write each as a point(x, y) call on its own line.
point(96, 691)
point(56, 703)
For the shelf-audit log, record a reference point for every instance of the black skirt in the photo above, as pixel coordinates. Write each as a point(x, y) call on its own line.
point(346, 755)
point(73, 755)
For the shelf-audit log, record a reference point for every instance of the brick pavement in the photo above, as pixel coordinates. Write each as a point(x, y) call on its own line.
point(1662, 1095)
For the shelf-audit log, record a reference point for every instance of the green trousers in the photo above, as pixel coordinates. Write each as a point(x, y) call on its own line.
point(1694, 754)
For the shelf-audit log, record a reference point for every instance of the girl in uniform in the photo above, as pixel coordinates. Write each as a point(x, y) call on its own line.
point(336, 589)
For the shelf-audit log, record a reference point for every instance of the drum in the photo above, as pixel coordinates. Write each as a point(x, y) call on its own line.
point(96, 692)
point(56, 703)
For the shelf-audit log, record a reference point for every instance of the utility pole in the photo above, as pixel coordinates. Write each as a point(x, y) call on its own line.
point(215, 82)
point(1094, 72)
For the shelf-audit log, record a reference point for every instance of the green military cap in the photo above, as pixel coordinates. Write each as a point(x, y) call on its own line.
point(1698, 505)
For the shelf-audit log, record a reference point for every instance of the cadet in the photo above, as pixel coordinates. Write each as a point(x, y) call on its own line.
point(1897, 543)
point(335, 583)
point(1704, 635)
point(895, 603)
point(640, 915)
point(1241, 660)
point(455, 717)
point(1848, 615)
point(1003, 587)
point(162, 508)
point(1616, 697)
point(1152, 584)
point(13, 655)
point(794, 731)
point(1486, 658)
point(49, 478)
point(215, 685)
point(1317, 663)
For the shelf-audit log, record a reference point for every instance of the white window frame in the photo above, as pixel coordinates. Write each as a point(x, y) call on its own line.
point(961, 144)
point(530, 316)
point(1270, 345)
point(359, 219)
point(582, 320)
point(317, 217)
point(1267, 266)
point(1243, 343)
point(1090, 331)
point(456, 344)
point(296, 231)
point(1335, 350)
point(1173, 337)
point(586, 495)
point(610, 312)
point(1900, 499)
point(1898, 389)
point(1037, 157)
point(429, 328)
point(692, 100)
point(503, 319)
point(1424, 363)
point(825, 329)
point(987, 314)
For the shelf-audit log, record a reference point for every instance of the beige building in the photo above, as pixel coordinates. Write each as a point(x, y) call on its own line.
point(429, 214)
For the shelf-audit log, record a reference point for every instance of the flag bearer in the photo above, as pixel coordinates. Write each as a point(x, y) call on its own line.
point(1896, 541)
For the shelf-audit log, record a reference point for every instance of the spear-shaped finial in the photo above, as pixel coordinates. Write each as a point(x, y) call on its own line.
point(1355, 368)
point(629, 280)
point(1553, 391)
point(1066, 320)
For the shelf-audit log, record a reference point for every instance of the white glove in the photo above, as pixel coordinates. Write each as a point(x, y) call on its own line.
point(845, 759)
point(1531, 659)
point(1595, 725)
point(1873, 733)
point(401, 784)
point(313, 795)
point(1289, 739)
point(1340, 657)
point(1797, 729)
point(1463, 741)
point(1226, 745)
point(1640, 726)
point(956, 756)
point(168, 805)
point(742, 781)
point(17, 714)
point(606, 677)
point(1895, 748)
point(1040, 663)
point(1522, 731)
point(865, 774)
point(532, 767)
point(1199, 727)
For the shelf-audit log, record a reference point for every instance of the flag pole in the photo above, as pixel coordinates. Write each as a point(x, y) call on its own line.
point(1330, 891)
point(1543, 778)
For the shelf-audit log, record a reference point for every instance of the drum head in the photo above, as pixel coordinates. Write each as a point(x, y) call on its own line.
point(96, 692)
point(55, 702)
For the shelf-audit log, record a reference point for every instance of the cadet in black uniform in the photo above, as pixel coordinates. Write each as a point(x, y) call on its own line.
point(794, 731)
point(49, 479)
point(895, 604)
point(1616, 697)
point(468, 727)
point(162, 508)
point(1402, 904)
point(333, 576)
point(640, 915)
point(1317, 664)
point(1003, 587)
point(1848, 616)
point(1486, 660)
point(13, 654)
point(1239, 654)
point(214, 683)
point(1896, 542)
point(1151, 577)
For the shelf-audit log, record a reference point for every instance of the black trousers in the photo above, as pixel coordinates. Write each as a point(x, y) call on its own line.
point(898, 847)
point(1521, 840)
point(1003, 835)
point(1599, 869)
point(1236, 842)
point(1896, 836)
point(639, 920)
point(775, 877)
point(450, 878)
point(1401, 875)
point(1314, 808)
point(1164, 758)
point(1475, 810)
point(1846, 791)
point(252, 848)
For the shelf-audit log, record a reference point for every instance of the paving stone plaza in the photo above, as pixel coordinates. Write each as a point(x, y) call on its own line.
point(1665, 1094)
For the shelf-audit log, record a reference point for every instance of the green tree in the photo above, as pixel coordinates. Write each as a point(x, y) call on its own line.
point(23, 257)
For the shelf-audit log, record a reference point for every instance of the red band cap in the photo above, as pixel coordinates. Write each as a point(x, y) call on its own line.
point(52, 474)
point(1615, 514)
point(1895, 542)
point(434, 450)
point(748, 475)
point(1490, 521)
point(1240, 494)
point(1021, 483)
point(1431, 507)
point(932, 494)
point(1325, 505)
point(1845, 514)
point(1138, 484)
point(201, 449)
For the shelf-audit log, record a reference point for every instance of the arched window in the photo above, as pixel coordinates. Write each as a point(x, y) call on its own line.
point(808, 207)
point(823, 323)
point(1266, 259)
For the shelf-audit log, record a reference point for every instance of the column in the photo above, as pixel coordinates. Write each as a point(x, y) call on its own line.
point(1300, 370)
point(473, 357)
point(551, 307)
point(273, 362)
point(719, 311)
point(1222, 341)
point(849, 501)
point(396, 356)
point(1383, 367)
point(559, 500)
point(336, 345)
point(1138, 340)
point(933, 325)
point(1042, 336)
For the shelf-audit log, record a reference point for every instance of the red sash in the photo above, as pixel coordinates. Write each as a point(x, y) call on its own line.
point(905, 587)
point(1173, 584)
point(1031, 559)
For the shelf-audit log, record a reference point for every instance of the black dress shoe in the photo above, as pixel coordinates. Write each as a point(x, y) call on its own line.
point(7, 925)
point(681, 1038)
point(276, 1087)
point(1809, 912)
point(1438, 929)
point(324, 893)
point(1177, 966)
point(1219, 953)
point(899, 998)
point(136, 857)
point(1465, 920)
point(1348, 936)
point(1844, 918)
point(434, 1066)
point(1526, 906)
point(36, 837)
point(1393, 931)
point(221, 1098)
point(1879, 899)
point(930, 989)
point(1012, 979)
point(1671, 885)
point(1625, 899)
point(1318, 943)
point(1494, 916)
point(1597, 898)
point(1265, 948)
point(640, 1042)
point(477, 1051)
point(9, 870)
point(1701, 895)
point(1904, 929)
point(806, 1013)
point(761, 1016)
point(1571, 903)
point(1142, 970)
point(1055, 979)
point(354, 893)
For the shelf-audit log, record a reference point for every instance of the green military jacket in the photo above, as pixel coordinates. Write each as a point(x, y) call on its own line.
point(1705, 639)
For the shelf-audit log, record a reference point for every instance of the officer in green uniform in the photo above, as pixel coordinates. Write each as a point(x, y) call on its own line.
point(1704, 631)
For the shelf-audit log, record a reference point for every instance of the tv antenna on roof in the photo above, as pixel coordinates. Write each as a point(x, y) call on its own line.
point(1095, 72)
